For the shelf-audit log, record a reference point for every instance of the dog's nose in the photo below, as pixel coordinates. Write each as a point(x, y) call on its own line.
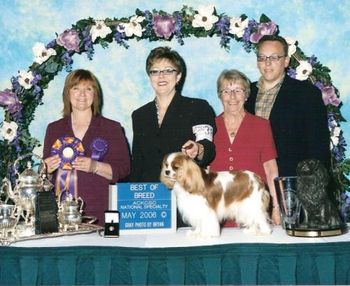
point(167, 172)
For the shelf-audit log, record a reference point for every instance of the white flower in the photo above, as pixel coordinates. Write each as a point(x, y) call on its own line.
point(133, 27)
point(237, 26)
point(41, 54)
point(335, 140)
point(25, 79)
point(9, 130)
point(100, 29)
point(205, 17)
point(335, 136)
point(303, 70)
point(292, 48)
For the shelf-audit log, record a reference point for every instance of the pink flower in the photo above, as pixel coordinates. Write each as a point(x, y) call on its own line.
point(163, 26)
point(69, 39)
point(263, 29)
point(329, 96)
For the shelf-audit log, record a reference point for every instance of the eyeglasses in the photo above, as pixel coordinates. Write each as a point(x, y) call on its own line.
point(272, 58)
point(164, 72)
point(228, 92)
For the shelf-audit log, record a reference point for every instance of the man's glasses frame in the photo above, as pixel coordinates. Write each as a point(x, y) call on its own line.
point(272, 58)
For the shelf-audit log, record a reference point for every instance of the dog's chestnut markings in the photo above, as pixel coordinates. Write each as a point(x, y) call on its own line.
point(188, 147)
point(238, 189)
point(214, 195)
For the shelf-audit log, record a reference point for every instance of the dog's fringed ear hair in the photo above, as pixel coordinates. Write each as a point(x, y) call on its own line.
point(164, 179)
point(189, 175)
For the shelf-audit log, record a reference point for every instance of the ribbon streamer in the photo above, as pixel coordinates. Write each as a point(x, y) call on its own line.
point(68, 148)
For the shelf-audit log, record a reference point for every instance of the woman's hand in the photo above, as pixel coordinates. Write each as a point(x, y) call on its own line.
point(276, 216)
point(52, 163)
point(84, 164)
point(193, 149)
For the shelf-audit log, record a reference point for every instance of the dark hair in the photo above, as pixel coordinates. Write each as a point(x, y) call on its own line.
point(274, 38)
point(161, 53)
point(74, 78)
point(233, 76)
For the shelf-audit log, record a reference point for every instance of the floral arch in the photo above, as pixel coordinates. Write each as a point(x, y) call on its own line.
point(21, 99)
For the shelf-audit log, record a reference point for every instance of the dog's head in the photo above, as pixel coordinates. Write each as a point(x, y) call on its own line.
point(180, 168)
point(312, 180)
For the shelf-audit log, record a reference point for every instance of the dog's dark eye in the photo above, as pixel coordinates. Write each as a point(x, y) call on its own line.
point(175, 167)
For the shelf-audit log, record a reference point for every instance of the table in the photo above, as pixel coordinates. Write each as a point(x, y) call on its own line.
point(234, 258)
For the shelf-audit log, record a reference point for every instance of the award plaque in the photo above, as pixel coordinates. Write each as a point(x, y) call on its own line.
point(45, 213)
point(111, 223)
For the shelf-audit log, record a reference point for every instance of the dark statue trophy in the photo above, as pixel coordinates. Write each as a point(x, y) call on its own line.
point(307, 209)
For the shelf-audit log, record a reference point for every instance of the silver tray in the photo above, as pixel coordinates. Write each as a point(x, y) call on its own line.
point(82, 229)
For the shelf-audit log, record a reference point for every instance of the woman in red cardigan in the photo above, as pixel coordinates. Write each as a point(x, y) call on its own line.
point(243, 141)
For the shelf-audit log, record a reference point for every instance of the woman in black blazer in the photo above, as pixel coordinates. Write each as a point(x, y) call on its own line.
point(170, 122)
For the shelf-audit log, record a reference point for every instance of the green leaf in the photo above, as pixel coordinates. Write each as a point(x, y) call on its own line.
point(264, 19)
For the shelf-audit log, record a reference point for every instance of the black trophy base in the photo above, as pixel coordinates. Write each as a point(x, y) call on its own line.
point(314, 232)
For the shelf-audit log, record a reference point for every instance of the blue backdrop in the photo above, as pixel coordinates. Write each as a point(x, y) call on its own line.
point(322, 28)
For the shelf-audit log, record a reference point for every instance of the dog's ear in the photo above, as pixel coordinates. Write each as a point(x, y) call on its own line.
point(189, 175)
point(164, 179)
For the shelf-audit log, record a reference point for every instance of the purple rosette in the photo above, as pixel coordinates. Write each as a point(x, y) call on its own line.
point(99, 148)
point(68, 149)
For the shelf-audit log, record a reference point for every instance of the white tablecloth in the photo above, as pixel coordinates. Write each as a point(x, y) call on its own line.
point(178, 239)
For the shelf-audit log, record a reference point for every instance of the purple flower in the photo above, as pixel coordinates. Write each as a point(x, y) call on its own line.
point(178, 24)
point(163, 26)
point(10, 100)
point(252, 26)
point(68, 61)
point(88, 44)
point(291, 72)
point(312, 60)
point(51, 45)
point(329, 96)
point(263, 29)
point(223, 27)
point(119, 36)
point(70, 40)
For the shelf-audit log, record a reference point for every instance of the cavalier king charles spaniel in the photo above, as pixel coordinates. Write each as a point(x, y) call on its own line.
point(205, 198)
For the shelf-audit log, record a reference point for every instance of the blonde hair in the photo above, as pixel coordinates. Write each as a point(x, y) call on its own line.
point(233, 76)
point(74, 78)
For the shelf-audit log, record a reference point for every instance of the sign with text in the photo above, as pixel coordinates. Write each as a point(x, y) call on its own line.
point(143, 207)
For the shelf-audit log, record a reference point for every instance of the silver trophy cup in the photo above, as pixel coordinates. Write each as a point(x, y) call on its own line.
point(288, 201)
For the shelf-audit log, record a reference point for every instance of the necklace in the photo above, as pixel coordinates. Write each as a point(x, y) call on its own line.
point(158, 114)
point(233, 134)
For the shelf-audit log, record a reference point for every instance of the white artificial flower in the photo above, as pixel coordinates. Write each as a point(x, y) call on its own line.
point(100, 29)
point(335, 136)
point(9, 130)
point(335, 140)
point(41, 53)
point(292, 48)
point(237, 26)
point(25, 79)
point(303, 70)
point(336, 131)
point(133, 27)
point(205, 17)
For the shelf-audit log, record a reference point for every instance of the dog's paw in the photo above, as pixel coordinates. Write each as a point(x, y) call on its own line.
point(193, 233)
point(266, 230)
point(249, 230)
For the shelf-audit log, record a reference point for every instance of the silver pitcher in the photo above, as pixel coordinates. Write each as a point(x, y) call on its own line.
point(28, 183)
point(69, 211)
